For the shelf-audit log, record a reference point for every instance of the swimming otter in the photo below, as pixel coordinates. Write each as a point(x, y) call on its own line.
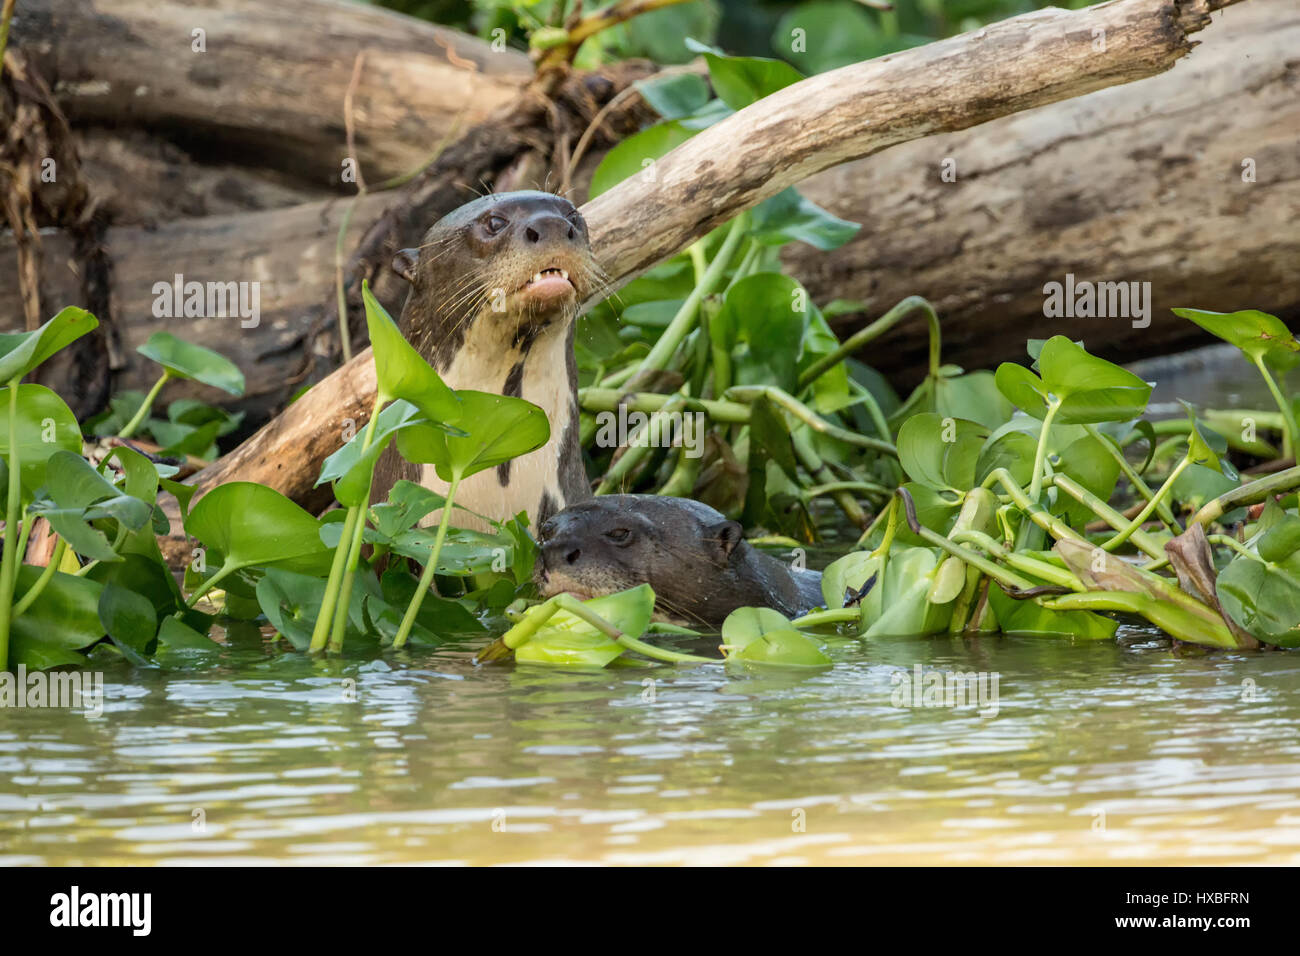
point(697, 561)
point(495, 287)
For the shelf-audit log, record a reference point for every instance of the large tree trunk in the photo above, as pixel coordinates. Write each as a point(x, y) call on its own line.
point(858, 110)
point(1138, 183)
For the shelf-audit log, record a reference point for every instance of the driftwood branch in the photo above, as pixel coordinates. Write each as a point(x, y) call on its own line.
point(828, 119)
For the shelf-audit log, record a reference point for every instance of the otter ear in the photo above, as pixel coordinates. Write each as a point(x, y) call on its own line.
point(404, 263)
point(726, 535)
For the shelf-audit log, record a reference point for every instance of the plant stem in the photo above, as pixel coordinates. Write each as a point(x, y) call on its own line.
point(1162, 510)
point(842, 615)
point(6, 15)
point(1037, 513)
point(875, 330)
point(339, 624)
point(1106, 513)
point(426, 578)
point(39, 584)
point(1133, 526)
point(8, 574)
point(1290, 435)
point(609, 399)
point(1247, 494)
point(145, 407)
point(637, 448)
point(1036, 482)
point(750, 393)
point(684, 320)
point(325, 618)
point(575, 607)
point(210, 583)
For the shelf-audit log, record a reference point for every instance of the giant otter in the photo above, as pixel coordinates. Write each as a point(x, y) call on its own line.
point(495, 287)
point(697, 561)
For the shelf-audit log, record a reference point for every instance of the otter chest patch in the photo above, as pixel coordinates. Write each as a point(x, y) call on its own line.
point(538, 374)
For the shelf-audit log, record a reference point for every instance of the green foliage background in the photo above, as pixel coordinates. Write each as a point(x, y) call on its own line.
point(852, 31)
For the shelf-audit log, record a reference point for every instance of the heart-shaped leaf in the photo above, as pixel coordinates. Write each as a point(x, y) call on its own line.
point(496, 429)
point(251, 524)
point(187, 360)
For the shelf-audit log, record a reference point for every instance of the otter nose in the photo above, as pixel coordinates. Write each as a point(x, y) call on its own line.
point(560, 551)
point(549, 227)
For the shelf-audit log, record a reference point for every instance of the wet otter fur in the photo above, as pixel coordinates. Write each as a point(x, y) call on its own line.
point(697, 561)
point(495, 288)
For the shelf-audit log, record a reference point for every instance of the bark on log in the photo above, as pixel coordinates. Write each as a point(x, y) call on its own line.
point(272, 77)
point(1136, 183)
point(828, 119)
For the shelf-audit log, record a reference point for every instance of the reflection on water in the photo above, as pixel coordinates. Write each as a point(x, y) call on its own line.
point(1099, 753)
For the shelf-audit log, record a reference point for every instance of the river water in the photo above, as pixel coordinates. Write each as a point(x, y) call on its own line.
point(1118, 752)
point(1114, 752)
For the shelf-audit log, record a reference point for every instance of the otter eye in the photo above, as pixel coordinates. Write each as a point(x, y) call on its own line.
point(619, 535)
point(495, 224)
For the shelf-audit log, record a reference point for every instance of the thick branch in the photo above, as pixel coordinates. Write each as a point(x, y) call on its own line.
point(1027, 61)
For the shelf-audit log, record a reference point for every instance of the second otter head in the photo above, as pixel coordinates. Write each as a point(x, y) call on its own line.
point(519, 258)
point(613, 542)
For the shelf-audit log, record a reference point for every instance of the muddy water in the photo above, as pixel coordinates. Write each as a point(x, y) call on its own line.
point(1112, 752)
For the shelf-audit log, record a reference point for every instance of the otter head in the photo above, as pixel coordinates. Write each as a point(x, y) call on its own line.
point(681, 548)
point(519, 259)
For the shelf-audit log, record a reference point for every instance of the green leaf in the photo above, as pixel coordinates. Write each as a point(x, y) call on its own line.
point(848, 573)
point(496, 429)
point(1032, 619)
point(569, 640)
point(251, 524)
point(1258, 334)
point(187, 360)
point(836, 34)
point(45, 425)
point(1090, 390)
point(73, 483)
point(399, 369)
point(675, 95)
point(407, 503)
point(635, 153)
point(768, 314)
point(63, 618)
point(1263, 599)
point(350, 469)
point(127, 617)
point(899, 605)
point(179, 638)
point(741, 80)
point(1198, 449)
point(789, 216)
point(1281, 541)
point(20, 352)
point(747, 624)
point(941, 453)
point(782, 648)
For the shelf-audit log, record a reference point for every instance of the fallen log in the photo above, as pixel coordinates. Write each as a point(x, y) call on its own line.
point(269, 79)
point(1148, 182)
point(828, 119)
